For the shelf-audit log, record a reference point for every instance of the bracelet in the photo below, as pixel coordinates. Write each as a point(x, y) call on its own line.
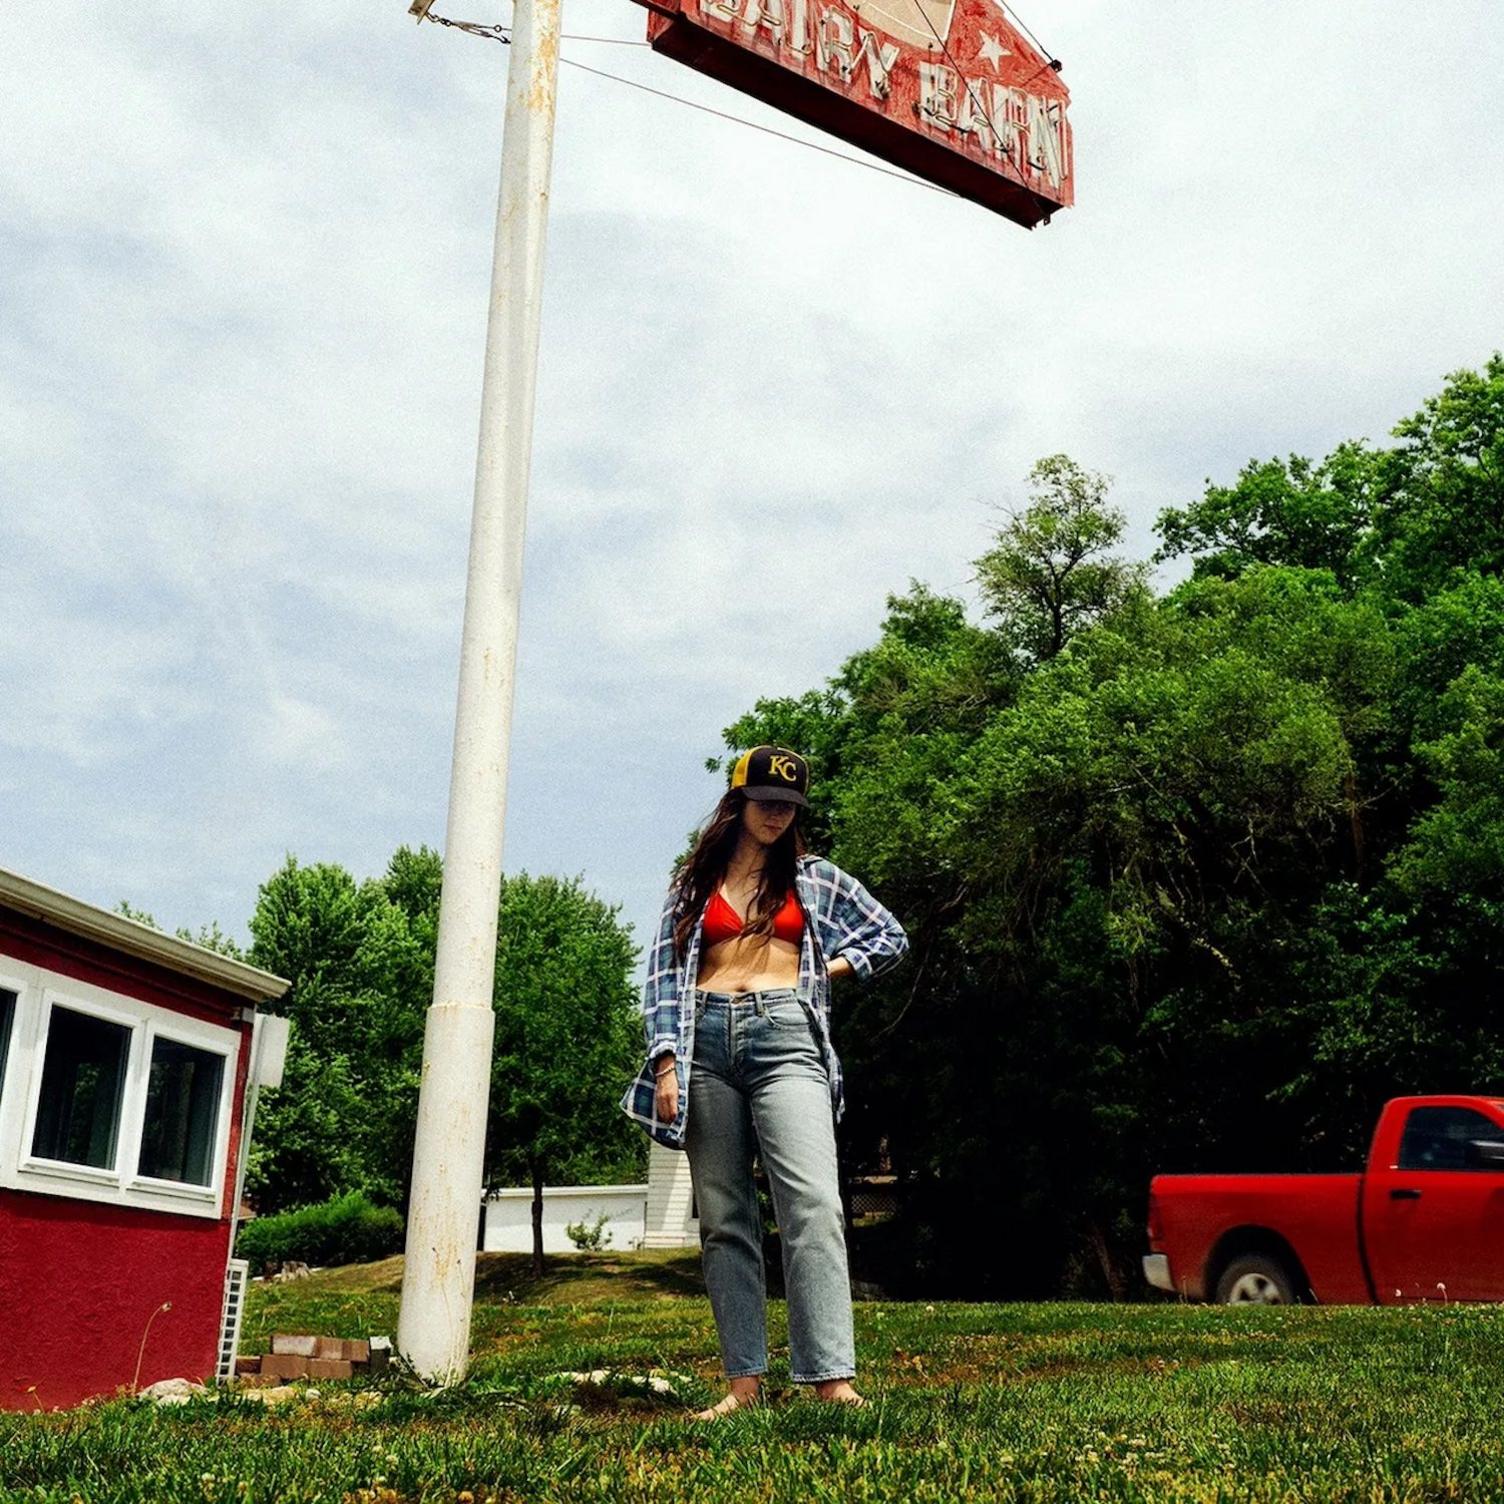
point(659, 1075)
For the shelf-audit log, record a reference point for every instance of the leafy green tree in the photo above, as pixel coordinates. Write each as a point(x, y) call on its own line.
point(1442, 517)
point(884, 738)
point(1408, 521)
point(1284, 512)
point(360, 956)
point(568, 1037)
point(1193, 879)
point(349, 1093)
point(211, 937)
point(1457, 845)
point(1052, 570)
point(307, 1145)
point(411, 885)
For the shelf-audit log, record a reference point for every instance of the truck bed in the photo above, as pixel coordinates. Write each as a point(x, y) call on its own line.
point(1196, 1217)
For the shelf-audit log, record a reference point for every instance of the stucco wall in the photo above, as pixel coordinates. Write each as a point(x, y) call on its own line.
point(78, 1284)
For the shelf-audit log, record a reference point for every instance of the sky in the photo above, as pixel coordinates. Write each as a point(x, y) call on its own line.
point(244, 261)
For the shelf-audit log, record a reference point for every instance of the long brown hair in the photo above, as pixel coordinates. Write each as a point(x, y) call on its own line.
point(705, 867)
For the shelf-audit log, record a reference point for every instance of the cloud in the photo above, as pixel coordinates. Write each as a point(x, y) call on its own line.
point(241, 336)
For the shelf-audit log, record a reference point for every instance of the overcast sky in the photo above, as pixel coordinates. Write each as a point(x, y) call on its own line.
point(244, 256)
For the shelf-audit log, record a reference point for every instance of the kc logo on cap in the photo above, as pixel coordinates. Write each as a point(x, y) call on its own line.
point(772, 774)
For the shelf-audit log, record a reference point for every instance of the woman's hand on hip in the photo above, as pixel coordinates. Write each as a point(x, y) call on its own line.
point(666, 1094)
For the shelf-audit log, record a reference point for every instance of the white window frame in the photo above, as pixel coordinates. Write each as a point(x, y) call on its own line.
point(38, 991)
point(199, 1036)
point(13, 983)
point(52, 999)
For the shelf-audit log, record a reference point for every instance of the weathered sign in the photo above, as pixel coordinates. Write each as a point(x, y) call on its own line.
point(947, 89)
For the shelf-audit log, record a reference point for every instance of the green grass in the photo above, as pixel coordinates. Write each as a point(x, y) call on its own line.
point(1009, 1402)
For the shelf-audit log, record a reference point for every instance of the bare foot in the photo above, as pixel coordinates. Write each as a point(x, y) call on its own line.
point(741, 1395)
point(840, 1391)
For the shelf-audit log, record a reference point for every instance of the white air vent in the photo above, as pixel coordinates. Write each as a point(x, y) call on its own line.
point(270, 1046)
point(236, 1277)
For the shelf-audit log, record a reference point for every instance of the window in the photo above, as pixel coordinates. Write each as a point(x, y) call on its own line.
point(182, 1113)
point(1446, 1138)
point(83, 1077)
point(7, 1022)
point(113, 1098)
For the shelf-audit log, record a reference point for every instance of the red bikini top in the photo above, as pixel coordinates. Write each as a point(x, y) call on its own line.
point(723, 923)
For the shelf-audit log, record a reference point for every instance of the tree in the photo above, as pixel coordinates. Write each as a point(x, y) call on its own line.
point(1442, 517)
point(887, 734)
point(1051, 571)
point(1283, 512)
point(1408, 521)
point(568, 1037)
point(411, 885)
point(360, 956)
point(356, 962)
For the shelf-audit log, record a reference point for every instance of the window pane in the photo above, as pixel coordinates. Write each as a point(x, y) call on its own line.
point(78, 1117)
point(1444, 1138)
point(7, 1019)
point(182, 1112)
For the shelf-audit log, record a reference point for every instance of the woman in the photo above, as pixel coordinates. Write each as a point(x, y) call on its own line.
point(738, 1000)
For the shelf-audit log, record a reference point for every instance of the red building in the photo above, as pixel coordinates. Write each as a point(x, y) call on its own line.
point(129, 1064)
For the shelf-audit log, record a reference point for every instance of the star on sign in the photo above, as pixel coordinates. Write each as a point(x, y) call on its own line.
point(993, 50)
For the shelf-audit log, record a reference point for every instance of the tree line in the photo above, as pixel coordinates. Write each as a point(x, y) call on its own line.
point(1195, 878)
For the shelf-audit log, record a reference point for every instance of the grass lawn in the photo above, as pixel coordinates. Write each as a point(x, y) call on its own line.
point(1035, 1402)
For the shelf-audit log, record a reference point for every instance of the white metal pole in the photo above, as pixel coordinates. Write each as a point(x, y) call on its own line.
point(438, 1283)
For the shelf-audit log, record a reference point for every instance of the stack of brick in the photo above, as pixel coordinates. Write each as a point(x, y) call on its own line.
point(300, 1357)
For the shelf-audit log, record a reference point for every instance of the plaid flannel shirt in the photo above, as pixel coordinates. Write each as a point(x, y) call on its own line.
point(841, 918)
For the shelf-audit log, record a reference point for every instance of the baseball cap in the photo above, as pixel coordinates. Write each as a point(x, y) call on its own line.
point(772, 774)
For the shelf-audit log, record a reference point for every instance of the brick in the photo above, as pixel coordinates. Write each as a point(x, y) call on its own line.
point(244, 1366)
point(302, 1347)
point(285, 1365)
point(330, 1368)
point(380, 1353)
point(344, 1349)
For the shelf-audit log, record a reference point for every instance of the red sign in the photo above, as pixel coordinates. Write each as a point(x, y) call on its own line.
point(947, 89)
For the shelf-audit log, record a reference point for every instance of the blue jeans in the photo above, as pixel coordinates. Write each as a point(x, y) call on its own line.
point(759, 1083)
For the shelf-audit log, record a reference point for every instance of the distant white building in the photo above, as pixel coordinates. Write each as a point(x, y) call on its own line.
point(659, 1214)
point(671, 1220)
point(509, 1217)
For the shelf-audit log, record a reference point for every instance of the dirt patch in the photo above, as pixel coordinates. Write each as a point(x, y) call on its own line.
point(1012, 1360)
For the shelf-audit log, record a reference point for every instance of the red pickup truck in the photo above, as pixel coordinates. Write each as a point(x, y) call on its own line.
point(1423, 1222)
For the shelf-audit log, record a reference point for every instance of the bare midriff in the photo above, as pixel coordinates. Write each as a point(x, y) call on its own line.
point(739, 965)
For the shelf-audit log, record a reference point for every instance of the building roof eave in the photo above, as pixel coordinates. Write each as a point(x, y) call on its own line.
point(89, 922)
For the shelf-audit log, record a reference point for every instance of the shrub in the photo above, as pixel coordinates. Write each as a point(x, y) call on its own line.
point(589, 1237)
point(342, 1230)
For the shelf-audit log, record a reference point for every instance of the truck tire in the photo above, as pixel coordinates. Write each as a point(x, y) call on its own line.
point(1256, 1279)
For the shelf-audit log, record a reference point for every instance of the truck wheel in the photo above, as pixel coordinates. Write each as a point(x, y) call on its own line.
point(1256, 1279)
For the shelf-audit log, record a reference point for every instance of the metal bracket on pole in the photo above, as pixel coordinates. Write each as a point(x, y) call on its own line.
point(420, 9)
point(438, 1281)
